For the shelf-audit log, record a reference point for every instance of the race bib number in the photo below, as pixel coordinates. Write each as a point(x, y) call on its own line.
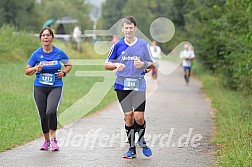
point(131, 84)
point(46, 78)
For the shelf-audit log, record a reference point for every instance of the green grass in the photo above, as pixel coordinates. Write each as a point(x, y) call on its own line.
point(15, 45)
point(233, 120)
point(19, 120)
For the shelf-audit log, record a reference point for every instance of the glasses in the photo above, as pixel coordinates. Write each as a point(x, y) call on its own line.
point(46, 35)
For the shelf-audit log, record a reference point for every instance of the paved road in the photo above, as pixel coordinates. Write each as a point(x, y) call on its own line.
point(179, 128)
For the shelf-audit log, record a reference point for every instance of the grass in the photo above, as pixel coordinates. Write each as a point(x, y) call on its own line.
point(233, 120)
point(19, 120)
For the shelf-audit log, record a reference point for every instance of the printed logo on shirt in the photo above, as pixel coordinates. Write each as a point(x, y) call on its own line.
point(49, 63)
point(41, 56)
point(127, 58)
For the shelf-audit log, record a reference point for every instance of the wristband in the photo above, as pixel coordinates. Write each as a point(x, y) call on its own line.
point(64, 73)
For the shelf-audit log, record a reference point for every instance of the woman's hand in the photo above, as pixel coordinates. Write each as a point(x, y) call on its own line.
point(60, 74)
point(39, 67)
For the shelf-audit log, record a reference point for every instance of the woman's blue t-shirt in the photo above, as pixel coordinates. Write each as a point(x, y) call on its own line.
point(51, 63)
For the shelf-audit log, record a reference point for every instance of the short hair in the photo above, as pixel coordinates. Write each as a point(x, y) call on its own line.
point(46, 28)
point(129, 20)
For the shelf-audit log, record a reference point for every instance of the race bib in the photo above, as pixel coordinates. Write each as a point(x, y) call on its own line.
point(46, 78)
point(131, 84)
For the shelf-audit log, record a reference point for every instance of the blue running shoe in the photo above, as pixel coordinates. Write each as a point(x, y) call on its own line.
point(145, 149)
point(131, 153)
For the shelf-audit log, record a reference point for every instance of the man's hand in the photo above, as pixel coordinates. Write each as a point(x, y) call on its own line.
point(138, 63)
point(120, 66)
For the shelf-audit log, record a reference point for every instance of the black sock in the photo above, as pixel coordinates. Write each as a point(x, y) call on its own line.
point(141, 130)
point(130, 131)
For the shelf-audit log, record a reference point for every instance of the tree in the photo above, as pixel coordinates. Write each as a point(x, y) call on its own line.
point(112, 12)
point(141, 13)
point(16, 13)
point(55, 9)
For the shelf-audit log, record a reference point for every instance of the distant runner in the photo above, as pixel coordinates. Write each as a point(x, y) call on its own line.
point(187, 55)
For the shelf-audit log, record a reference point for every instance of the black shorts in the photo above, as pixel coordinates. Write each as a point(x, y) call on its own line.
point(131, 100)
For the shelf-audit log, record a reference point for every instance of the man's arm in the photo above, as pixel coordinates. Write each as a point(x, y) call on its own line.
point(113, 66)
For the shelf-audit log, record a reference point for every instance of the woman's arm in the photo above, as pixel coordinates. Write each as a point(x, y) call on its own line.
point(29, 70)
point(62, 73)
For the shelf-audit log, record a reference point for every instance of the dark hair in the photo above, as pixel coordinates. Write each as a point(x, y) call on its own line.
point(46, 28)
point(129, 20)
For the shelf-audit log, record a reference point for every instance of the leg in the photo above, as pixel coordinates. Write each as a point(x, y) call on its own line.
point(124, 97)
point(189, 73)
point(154, 73)
point(125, 100)
point(186, 74)
point(40, 97)
point(129, 127)
point(53, 102)
point(139, 102)
point(140, 123)
point(139, 126)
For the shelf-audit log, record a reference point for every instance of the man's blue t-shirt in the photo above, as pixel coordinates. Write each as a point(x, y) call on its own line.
point(51, 63)
point(123, 53)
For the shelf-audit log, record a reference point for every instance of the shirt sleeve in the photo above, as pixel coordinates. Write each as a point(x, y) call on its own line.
point(148, 53)
point(112, 56)
point(192, 54)
point(64, 57)
point(32, 61)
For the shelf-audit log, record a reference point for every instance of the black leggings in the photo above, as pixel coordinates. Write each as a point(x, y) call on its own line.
point(47, 100)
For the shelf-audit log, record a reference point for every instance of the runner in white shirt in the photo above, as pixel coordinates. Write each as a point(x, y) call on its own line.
point(187, 55)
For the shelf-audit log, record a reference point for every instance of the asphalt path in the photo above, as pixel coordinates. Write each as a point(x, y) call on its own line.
point(179, 129)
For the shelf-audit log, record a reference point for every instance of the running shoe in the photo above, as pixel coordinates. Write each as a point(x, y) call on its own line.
point(54, 145)
point(145, 149)
point(131, 153)
point(45, 146)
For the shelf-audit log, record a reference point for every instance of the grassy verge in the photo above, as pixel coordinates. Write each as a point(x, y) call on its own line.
point(233, 119)
point(19, 120)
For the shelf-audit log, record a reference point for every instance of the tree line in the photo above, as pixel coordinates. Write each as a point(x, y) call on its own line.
point(31, 14)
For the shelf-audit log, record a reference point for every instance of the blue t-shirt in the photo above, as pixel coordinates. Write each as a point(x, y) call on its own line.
point(121, 52)
point(51, 63)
